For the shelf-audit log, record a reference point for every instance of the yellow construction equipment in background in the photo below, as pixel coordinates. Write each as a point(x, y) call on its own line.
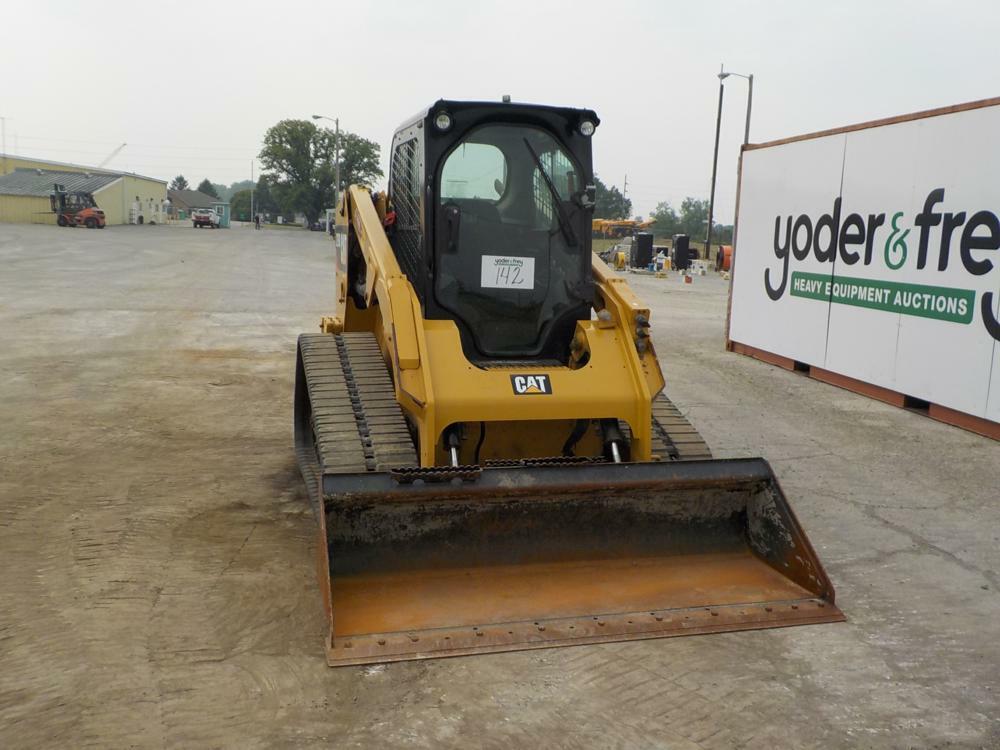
point(618, 228)
point(482, 428)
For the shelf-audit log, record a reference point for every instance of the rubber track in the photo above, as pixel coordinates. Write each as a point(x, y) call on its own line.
point(674, 437)
point(356, 421)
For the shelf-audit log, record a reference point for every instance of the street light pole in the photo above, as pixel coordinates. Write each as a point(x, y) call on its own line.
point(336, 163)
point(746, 130)
point(715, 165)
point(715, 159)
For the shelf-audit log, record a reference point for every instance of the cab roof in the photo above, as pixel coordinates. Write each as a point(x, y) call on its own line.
point(453, 105)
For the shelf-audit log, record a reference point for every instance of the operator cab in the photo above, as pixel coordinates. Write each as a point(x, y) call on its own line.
point(63, 202)
point(493, 207)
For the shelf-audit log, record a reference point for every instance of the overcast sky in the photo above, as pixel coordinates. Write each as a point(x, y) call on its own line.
point(191, 87)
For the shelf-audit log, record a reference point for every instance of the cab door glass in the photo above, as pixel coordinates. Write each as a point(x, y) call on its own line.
point(507, 256)
point(474, 170)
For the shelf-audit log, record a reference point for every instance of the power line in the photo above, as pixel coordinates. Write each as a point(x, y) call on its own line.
point(159, 146)
point(38, 153)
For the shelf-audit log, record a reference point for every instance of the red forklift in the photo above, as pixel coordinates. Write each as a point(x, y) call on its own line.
point(76, 209)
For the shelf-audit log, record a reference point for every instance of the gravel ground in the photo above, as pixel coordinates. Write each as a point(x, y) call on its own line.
point(158, 553)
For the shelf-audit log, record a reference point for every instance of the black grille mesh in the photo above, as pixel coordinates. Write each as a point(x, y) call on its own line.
point(405, 194)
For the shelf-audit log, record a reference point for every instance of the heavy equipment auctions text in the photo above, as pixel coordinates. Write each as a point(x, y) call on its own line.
point(853, 240)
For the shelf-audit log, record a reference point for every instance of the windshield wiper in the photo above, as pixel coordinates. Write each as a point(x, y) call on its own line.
point(564, 225)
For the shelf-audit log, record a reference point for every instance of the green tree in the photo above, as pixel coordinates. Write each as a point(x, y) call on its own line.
point(610, 203)
point(358, 160)
point(299, 161)
point(228, 192)
point(239, 206)
point(667, 220)
point(693, 218)
point(692, 221)
point(263, 200)
point(179, 183)
point(236, 187)
point(723, 234)
point(206, 187)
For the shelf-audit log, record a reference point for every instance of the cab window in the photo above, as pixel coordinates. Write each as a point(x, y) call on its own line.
point(474, 170)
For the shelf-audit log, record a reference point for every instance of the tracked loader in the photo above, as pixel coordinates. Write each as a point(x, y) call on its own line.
point(482, 427)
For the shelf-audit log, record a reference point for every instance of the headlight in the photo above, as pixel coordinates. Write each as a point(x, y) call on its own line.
point(442, 121)
point(587, 128)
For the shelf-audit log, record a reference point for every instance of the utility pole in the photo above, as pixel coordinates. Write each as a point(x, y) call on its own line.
point(3, 142)
point(253, 185)
point(715, 166)
point(723, 75)
point(746, 135)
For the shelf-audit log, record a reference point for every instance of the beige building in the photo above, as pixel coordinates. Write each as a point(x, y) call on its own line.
point(125, 198)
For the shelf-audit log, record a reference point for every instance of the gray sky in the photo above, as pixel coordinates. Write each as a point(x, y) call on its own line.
point(193, 88)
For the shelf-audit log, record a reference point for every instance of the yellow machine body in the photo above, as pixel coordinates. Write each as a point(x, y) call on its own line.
point(437, 386)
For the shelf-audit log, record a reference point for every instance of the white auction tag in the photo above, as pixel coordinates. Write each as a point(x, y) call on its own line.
point(507, 272)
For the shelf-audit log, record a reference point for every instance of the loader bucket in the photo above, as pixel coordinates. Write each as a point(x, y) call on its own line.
point(425, 563)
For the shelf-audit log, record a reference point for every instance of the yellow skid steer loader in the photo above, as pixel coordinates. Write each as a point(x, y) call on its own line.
point(482, 427)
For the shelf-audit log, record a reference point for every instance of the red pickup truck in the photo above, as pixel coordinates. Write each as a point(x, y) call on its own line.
point(205, 217)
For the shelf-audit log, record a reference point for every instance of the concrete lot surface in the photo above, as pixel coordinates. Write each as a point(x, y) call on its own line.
point(157, 552)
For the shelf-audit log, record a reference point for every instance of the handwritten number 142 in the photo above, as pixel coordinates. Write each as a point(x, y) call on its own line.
point(509, 276)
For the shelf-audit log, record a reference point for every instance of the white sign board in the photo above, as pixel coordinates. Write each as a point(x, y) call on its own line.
point(875, 253)
point(507, 272)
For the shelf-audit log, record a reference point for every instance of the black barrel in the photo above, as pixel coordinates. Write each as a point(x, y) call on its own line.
point(642, 249)
point(680, 256)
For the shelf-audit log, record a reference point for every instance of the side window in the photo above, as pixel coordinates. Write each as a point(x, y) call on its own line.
point(474, 170)
point(404, 188)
